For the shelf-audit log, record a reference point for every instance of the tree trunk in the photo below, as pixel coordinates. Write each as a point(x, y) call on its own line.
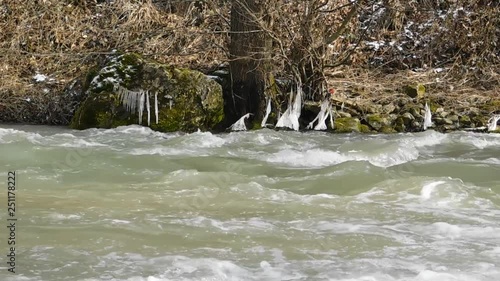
point(249, 59)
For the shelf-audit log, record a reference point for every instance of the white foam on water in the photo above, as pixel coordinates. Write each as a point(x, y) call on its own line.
point(159, 150)
point(13, 135)
point(203, 140)
point(63, 217)
point(445, 230)
point(317, 158)
point(428, 189)
point(81, 143)
point(232, 225)
point(480, 141)
point(313, 158)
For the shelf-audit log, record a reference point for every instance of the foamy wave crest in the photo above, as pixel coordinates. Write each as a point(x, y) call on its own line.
point(203, 139)
point(161, 150)
point(12, 135)
point(427, 138)
point(310, 158)
point(317, 158)
point(480, 141)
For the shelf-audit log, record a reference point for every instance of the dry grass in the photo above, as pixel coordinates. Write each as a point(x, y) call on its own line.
point(62, 39)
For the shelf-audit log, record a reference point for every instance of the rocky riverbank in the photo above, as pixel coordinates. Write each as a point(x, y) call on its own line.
point(127, 89)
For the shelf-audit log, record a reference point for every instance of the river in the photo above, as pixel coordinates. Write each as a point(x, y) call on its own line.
point(133, 204)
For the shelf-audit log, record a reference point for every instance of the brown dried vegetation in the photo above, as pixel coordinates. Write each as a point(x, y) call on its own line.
point(63, 39)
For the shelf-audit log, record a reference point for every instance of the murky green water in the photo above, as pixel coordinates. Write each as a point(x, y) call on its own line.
point(133, 204)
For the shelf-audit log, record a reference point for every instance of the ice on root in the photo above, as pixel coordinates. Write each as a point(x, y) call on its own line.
point(268, 111)
point(332, 124)
point(290, 119)
point(147, 108)
point(326, 110)
point(156, 107)
point(427, 117)
point(492, 122)
point(240, 124)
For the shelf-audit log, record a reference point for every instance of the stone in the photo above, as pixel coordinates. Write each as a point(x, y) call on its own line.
point(400, 124)
point(415, 111)
point(388, 108)
point(407, 118)
point(377, 121)
point(442, 121)
point(474, 111)
point(414, 91)
point(344, 114)
point(465, 121)
point(347, 125)
point(188, 100)
point(453, 118)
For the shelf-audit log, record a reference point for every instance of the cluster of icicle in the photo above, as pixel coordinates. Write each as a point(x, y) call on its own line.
point(240, 124)
point(290, 119)
point(427, 117)
point(135, 101)
point(326, 110)
point(492, 122)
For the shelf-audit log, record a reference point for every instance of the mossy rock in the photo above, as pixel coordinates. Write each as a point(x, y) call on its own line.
point(387, 130)
point(187, 100)
point(365, 129)
point(414, 91)
point(347, 125)
point(378, 121)
point(401, 124)
point(465, 121)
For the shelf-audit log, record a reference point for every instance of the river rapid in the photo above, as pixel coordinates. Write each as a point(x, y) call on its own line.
point(133, 204)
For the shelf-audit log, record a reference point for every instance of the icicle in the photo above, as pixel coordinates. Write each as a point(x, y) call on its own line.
point(141, 106)
point(283, 121)
point(290, 119)
point(321, 117)
point(492, 122)
point(311, 124)
point(268, 111)
point(332, 124)
point(427, 117)
point(297, 107)
point(156, 107)
point(322, 122)
point(147, 108)
point(240, 124)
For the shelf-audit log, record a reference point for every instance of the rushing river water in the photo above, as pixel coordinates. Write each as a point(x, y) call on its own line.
point(133, 204)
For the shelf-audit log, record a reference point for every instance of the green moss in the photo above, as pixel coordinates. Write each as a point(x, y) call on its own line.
point(188, 100)
point(400, 125)
point(465, 120)
point(364, 128)
point(387, 130)
point(433, 106)
point(414, 91)
point(347, 125)
point(491, 106)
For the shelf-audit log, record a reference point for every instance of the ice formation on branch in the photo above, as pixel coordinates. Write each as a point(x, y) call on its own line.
point(268, 111)
point(290, 119)
point(240, 124)
point(427, 117)
point(492, 122)
point(326, 110)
